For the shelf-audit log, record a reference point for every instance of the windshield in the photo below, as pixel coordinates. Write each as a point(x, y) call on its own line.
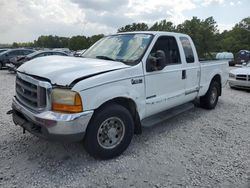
point(127, 48)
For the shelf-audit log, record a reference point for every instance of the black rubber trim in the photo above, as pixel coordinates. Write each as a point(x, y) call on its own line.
point(150, 97)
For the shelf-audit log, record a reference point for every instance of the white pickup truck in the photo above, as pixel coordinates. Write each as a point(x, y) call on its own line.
point(106, 96)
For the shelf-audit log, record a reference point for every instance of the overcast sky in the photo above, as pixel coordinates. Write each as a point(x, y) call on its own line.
point(25, 20)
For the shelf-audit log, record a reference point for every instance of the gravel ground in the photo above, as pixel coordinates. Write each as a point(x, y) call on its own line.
point(197, 148)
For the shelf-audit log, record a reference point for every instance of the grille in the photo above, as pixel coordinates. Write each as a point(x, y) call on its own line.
point(242, 77)
point(30, 94)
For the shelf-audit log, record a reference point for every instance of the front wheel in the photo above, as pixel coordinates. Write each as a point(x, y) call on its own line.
point(110, 132)
point(231, 86)
point(209, 101)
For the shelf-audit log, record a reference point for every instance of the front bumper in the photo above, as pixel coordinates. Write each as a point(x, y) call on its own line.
point(51, 125)
point(239, 83)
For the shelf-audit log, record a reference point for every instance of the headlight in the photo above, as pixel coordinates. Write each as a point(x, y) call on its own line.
point(67, 101)
point(231, 75)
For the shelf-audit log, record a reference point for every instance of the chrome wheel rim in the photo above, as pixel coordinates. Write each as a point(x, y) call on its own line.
point(214, 94)
point(111, 133)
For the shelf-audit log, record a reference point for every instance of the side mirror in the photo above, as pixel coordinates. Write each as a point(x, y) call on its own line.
point(151, 64)
point(156, 63)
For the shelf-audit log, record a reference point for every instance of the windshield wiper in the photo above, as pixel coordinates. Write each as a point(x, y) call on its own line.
point(105, 57)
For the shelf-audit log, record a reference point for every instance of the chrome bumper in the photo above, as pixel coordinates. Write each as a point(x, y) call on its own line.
point(51, 125)
point(239, 83)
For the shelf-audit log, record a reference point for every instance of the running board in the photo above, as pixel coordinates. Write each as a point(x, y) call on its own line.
point(162, 116)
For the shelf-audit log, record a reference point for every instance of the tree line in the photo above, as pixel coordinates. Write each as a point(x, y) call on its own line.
point(204, 33)
point(73, 43)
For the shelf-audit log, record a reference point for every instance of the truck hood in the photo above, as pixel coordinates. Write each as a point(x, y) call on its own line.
point(244, 70)
point(65, 70)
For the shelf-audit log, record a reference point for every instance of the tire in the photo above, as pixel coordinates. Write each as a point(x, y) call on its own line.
point(210, 99)
point(232, 87)
point(103, 130)
point(1, 66)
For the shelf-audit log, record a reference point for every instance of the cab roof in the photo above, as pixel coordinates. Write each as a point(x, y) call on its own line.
point(155, 33)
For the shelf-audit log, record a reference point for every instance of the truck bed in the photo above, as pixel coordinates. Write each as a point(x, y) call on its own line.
point(209, 69)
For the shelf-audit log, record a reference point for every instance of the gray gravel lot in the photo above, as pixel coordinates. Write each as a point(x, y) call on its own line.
point(197, 148)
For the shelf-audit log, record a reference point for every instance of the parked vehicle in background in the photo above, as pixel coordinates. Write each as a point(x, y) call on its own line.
point(243, 56)
point(121, 83)
point(3, 50)
point(240, 78)
point(19, 60)
point(8, 54)
point(225, 56)
point(79, 53)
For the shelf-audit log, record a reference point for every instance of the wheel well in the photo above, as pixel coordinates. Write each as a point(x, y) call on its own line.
point(217, 78)
point(130, 105)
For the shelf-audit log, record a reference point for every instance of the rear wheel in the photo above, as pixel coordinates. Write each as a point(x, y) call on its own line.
point(209, 101)
point(110, 132)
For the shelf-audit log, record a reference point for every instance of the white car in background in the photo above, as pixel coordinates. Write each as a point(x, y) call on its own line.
point(240, 78)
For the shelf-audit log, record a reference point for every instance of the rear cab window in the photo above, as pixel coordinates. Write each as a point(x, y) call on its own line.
point(188, 51)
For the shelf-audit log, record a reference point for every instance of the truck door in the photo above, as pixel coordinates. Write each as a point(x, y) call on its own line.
point(191, 69)
point(164, 83)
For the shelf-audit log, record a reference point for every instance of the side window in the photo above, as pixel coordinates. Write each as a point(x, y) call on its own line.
point(165, 52)
point(58, 53)
point(15, 53)
point(48, 53)
point(189, 54)
point(12, 53)
point(25, 52)
point(20, 52)
point(40, 55)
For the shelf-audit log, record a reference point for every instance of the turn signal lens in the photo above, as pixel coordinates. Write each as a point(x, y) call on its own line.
point(66, 101)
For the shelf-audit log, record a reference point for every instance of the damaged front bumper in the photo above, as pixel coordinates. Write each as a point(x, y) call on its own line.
point(51, 125)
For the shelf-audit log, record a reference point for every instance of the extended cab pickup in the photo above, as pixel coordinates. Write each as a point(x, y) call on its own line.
point(106, 96)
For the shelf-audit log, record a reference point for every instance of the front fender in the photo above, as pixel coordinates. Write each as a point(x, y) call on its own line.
point(93, 98)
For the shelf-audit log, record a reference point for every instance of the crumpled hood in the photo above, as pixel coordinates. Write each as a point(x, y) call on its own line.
point(243, 70)
point(64, 70)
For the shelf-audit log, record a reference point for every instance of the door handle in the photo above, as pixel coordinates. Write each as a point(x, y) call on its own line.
point(184, 74)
